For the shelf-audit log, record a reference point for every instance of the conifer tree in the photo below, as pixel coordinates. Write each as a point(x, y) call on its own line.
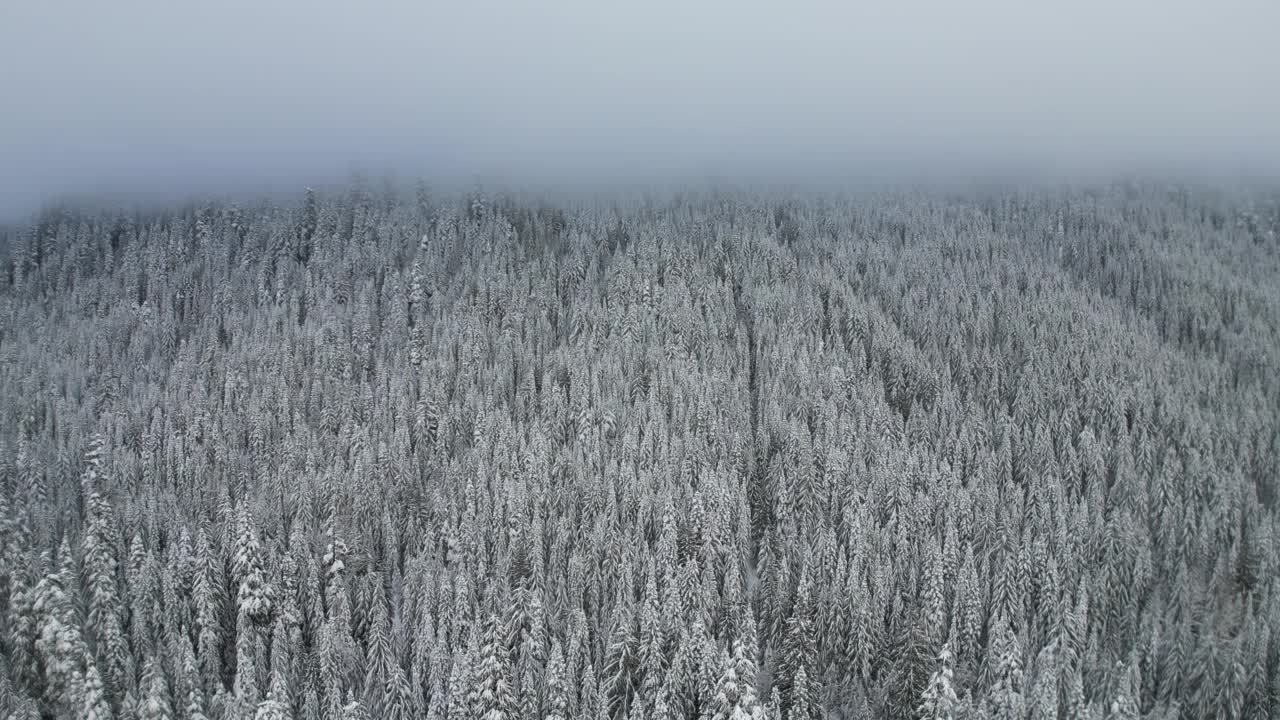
point(194, 700)
point(59, 644)
point(491, 696)
point(255, 598)
point(1007, 701)
point(939, 701)
point(154, 700)
point(245, 692)
point(277, 705)
point(460, 680)
point(736, 695)
point(101, 580)
point(800, 707)
point(557, 704)
point(94, 705)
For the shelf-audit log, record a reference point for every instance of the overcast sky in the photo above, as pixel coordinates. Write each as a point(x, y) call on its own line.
point(161, 97)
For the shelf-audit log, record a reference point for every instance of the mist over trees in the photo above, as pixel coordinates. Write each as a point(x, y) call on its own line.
point(713, 457)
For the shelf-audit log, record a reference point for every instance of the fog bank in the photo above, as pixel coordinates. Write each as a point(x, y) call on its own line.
point(143, 98)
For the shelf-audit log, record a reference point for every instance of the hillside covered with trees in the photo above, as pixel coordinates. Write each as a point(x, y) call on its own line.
point(372, 454)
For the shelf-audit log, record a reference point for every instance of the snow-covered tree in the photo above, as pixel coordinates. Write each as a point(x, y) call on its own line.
point(736, 694)
point(153, 701)
point(490, 695)
point(255, 597)
point(939, 701)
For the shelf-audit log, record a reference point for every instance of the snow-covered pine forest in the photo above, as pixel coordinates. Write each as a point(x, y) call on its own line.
point(381, 454)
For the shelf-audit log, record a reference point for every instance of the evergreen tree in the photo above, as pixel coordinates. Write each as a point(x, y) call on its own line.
point(101, 577)
point(557, 704)
point(460, 679)
point(58, 643)
point(154, 701)
point(194, 702)
point(245, 693)
point(255, 597)
point(1006, 658)
point(94, 705)
point(939, 701)
point(736, 695)
point(491, 697)
point(800, 707)
point(277, 705)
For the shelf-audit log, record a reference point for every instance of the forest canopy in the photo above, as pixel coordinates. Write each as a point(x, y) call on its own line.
point(719, 456)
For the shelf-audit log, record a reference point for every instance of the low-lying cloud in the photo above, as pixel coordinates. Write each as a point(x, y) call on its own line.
point(143, 97)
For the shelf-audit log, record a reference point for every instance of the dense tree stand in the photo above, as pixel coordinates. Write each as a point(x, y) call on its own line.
point(727, 457)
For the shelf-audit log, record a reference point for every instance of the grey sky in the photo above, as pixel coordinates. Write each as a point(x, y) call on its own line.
point(165, 96)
